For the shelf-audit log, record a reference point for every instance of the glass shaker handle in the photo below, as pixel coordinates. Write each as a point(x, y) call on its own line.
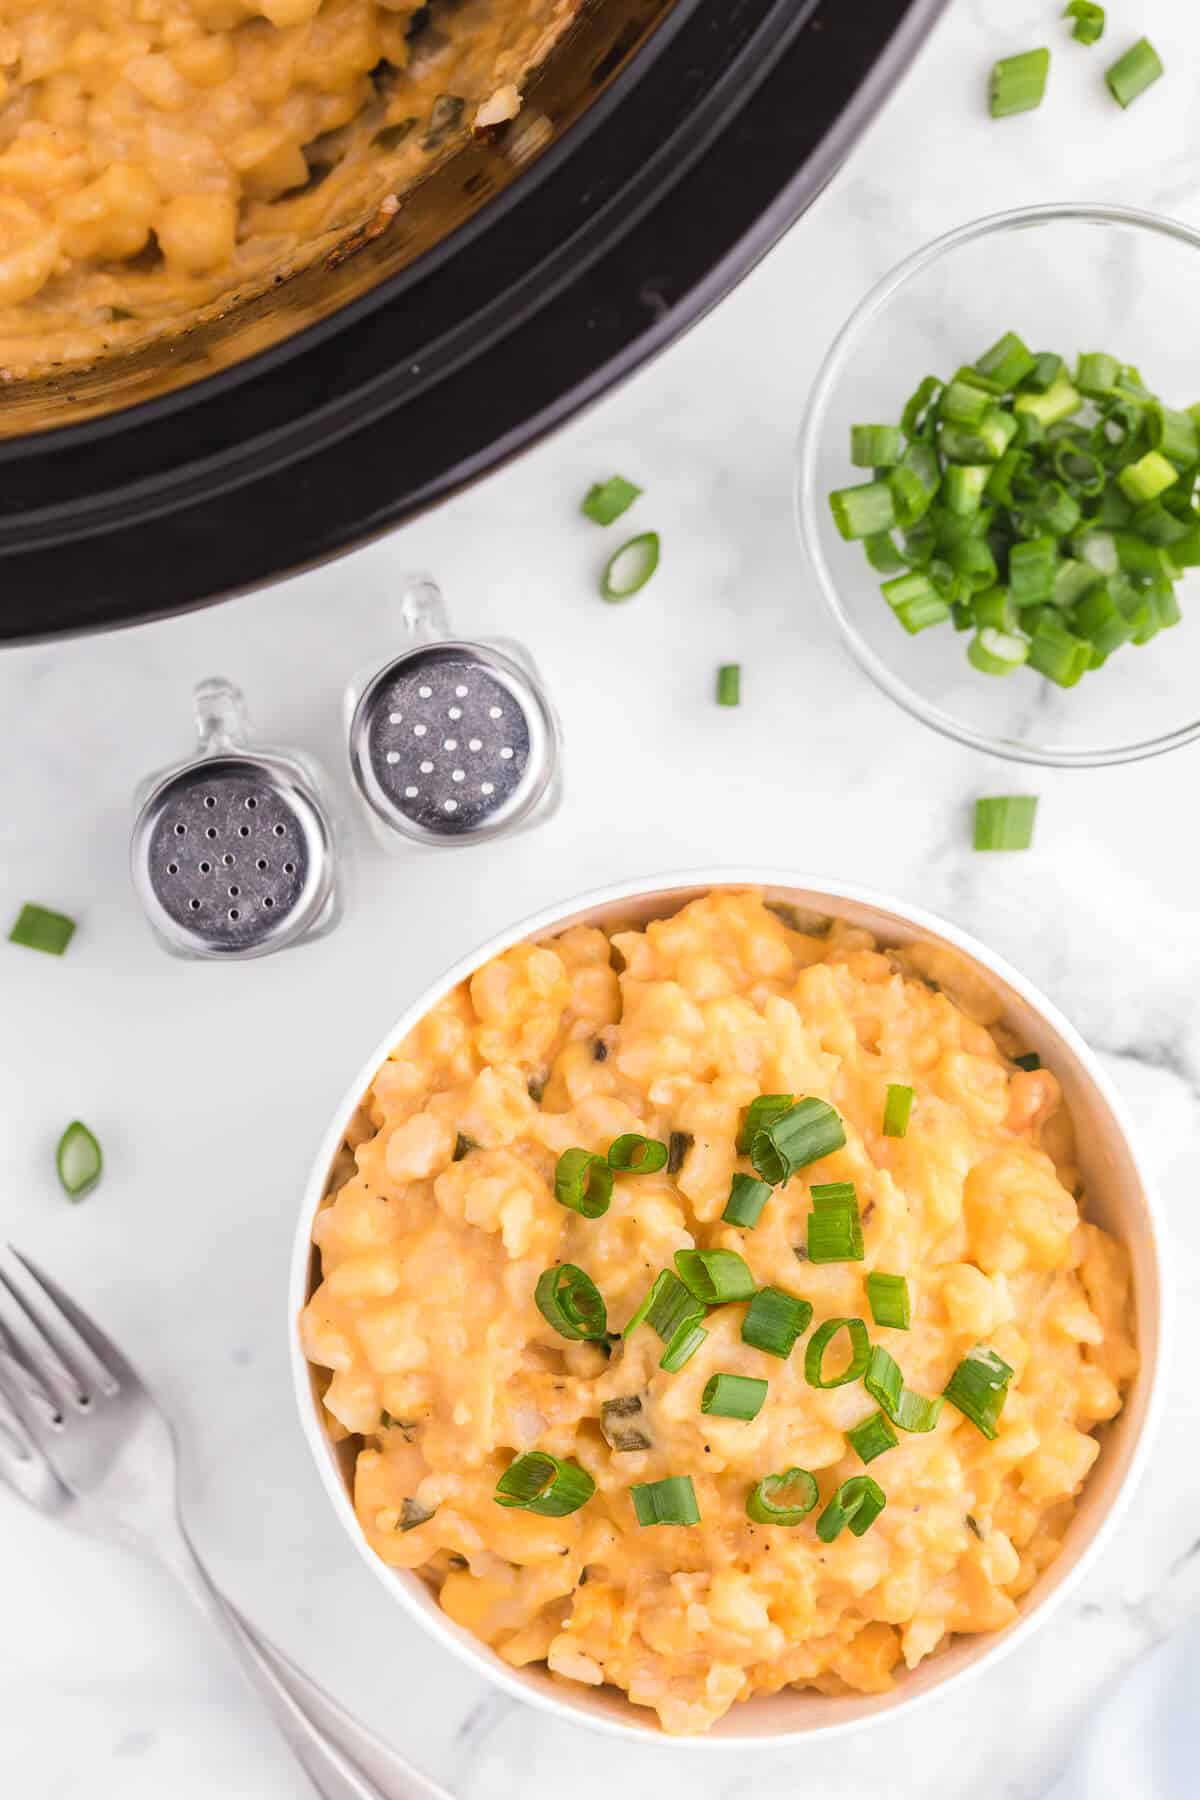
point(219, 715)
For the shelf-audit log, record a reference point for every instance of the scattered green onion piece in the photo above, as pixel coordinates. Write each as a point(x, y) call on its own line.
point(962, 487)
point(630, 568)
point(896, 1110)
point(714, 1276)
point(1047, 367)
point(539, 1483)
point(660, 1283)
point(632, 1154)
point(607, 500)
point(783, 1499)
point(1174, 434)
point(733, 1397)
point(963, 403)
point(918, 615)
point(668, 1502)
point(1134, 72)
point(885, 1384)
point(1058, 654)
point(857, 1503)
point(747, 1197)
point(882, 554)
point(876, 446)
point(861, 512)
point(1030, 1061)
point(618, 1432)
point(681, 1347)
point(729, 684)
point(1005, 822)
point(37, 928)
point(979, 1388)
point(818, 1343)
point(872, 1436)
point(1009, 361)
point(78, 1158)
point(974, 563)
point(913, 483)
point(995, 652)
point(808, 1131)
point(758, 1115)
point(1080, 468)
point(887, 1296)
point(1147, 478)
point(1072, 581)
point(774, 1320)
point(1031, 568)
point(678, 1145)
point(1097, 373)
point(1089, 20)
point(584, 1183)
point(834, 1225)
point(960, 613)
point(672, 1306)
point(571, 1302)
point(920, 409)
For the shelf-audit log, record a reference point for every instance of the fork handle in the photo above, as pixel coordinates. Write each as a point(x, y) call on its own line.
point(333, 1773)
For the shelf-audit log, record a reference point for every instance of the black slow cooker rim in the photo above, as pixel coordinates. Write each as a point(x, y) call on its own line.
point(337, 496)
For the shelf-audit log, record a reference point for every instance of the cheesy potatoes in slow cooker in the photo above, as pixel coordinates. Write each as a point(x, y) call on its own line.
point(850, 1425)
point(156, 155)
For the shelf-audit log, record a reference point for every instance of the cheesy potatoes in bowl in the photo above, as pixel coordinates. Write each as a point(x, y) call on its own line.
point(731, 1309)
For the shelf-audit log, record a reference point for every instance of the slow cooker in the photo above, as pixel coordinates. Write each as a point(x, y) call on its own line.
point(660, 152)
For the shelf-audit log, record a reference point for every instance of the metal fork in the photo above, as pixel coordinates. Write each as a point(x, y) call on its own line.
point(83, 1440)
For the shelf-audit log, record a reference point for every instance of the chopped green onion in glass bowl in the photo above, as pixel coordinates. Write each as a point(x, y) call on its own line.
point(961, 472)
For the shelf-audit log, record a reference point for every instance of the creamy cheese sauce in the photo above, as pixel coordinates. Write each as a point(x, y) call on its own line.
point(156, 155)
point(440, 1359)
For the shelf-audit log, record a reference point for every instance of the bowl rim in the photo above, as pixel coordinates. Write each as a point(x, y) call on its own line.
point(1154, 1349)
point(807, 499)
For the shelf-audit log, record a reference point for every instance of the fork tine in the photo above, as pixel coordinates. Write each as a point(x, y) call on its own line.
point(66, 1334)
point(23, 1464)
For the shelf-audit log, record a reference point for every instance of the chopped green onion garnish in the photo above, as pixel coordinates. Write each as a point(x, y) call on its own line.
point(857, 1503)
point(681, 1347)
point(872, 1437)
point(539, 1483)
point(1147, 478)
point(803, 1134)
point(1009, 361)
point(583, 1182)
point(979, 1388)
point(758, 1115)
point(1089, 20)
point(834, 1225)
point(861, 512)
point(782, 1499)
point(660, 1282)
point(876, 446)
point(729, 684)
point(1019, 82)
point(630, 567)
point(885, 1384)
point(632, 1154)
point(714, 1276)
point(37, 928)
point(747, 1197)
point(1047, 367)
point(678, 1145)
point(818, 1343)
point(897, 1108)
point(1031, 1060)
point(733, 1397)
point(1005, 822)
point(887, 1296)
point(616, 1425)
point(668, 1502)
point(1134, 72)
point(78, 1159)
point(571, 1302)
point(995, 652)
point(607, 500)
point(672, 1306)
point(774, 1320)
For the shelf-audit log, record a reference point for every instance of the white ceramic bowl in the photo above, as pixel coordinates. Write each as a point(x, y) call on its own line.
point(1120, 1197)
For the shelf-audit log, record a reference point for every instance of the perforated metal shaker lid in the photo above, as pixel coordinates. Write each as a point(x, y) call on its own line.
point(232, 852)
point(453, 740)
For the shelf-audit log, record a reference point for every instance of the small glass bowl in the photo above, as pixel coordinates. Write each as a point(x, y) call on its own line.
point(1066, 278)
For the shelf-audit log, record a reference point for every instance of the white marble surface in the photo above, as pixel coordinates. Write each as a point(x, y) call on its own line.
point(209, 1086)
